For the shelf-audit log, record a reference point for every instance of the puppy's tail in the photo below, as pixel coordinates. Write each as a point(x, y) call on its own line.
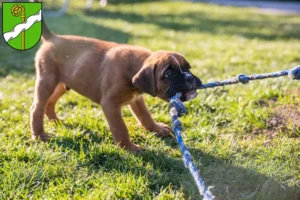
point(46, 33)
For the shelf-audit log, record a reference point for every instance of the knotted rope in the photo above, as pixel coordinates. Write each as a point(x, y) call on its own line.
point(178, 110)
point(294, 73)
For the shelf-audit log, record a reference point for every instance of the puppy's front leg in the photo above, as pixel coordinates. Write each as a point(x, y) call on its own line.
point(117, 126)
point(143, 116)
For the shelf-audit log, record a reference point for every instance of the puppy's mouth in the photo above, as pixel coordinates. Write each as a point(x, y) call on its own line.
point(190, 95)
point(188, 90)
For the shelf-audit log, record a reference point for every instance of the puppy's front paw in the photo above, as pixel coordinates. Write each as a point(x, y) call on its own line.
point(161, 130)
point(43, 137)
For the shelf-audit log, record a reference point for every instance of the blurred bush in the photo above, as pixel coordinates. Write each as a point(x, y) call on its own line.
point(132, 1)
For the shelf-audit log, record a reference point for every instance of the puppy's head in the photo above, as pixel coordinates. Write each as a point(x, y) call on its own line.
point(166, 73)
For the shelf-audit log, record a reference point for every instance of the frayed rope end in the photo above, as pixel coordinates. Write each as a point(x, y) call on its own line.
point(208, 194)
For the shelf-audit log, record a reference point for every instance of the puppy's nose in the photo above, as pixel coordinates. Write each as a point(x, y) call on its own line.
point(189, 78)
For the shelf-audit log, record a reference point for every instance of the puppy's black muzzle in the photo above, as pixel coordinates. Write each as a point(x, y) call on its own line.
point(192, 82)
point(183, 83)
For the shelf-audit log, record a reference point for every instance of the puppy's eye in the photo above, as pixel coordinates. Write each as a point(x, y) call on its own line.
point(168, 73)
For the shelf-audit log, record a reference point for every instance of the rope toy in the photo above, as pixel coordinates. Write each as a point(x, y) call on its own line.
point(178, 110)
point(294, 74)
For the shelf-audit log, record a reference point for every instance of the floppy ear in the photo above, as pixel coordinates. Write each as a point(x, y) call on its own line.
point(144, 80)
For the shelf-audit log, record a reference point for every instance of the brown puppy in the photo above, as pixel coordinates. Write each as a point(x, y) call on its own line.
point(110, 74)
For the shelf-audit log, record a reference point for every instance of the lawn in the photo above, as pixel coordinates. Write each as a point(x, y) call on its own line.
point(245, 139)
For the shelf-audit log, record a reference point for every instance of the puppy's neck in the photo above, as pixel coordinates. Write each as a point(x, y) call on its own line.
point(137, 61)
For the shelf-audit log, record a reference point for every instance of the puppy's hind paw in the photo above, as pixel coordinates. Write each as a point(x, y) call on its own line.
point(132, 148)
point(42, 137)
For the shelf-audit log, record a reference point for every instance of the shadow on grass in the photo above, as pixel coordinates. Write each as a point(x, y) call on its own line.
point(229, 181)
point(20, 62)
point(85, 138)
point(201, 22)
point(234, 182)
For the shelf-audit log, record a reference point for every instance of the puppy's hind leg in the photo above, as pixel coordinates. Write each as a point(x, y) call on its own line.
point(46, 82)
point(50, 108)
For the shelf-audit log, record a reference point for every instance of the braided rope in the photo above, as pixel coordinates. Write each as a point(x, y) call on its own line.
point(294, 73)
point(178, 109)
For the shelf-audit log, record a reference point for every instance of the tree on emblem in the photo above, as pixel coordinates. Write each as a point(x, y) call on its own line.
point(19, 11)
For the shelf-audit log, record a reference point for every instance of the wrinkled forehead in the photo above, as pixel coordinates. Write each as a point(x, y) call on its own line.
point(176, 60)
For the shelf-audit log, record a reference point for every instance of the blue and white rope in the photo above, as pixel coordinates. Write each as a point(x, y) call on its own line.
point(242, 78)
point(178, 109)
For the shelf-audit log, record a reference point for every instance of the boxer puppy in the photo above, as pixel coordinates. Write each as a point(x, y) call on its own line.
point(110, 74)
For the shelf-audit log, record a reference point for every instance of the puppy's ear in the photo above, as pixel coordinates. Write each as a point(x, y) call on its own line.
point(144, 80)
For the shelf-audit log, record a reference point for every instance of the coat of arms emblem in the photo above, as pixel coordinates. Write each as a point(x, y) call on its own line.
point(21, 25)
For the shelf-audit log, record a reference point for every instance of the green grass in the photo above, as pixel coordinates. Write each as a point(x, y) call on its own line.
point(81, 162)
